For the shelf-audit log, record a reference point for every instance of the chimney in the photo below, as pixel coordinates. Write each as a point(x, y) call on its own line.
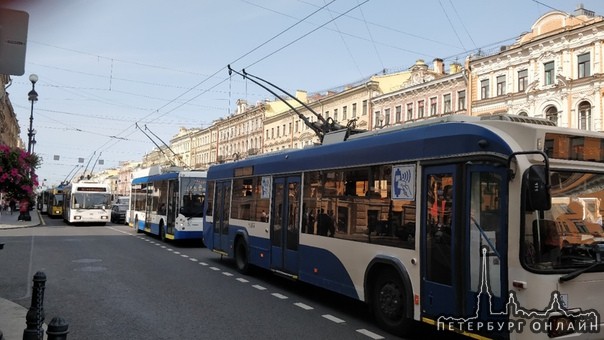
point(582, 11)
point(302, 96)
point(439, 66)
point(455, 68)
point(241, 105)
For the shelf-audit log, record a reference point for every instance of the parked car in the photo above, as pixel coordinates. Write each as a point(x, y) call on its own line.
point(118, 213)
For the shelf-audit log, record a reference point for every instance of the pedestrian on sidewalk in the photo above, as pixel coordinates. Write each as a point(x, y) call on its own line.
point(12, 206)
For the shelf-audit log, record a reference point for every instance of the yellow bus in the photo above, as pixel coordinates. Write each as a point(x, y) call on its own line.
point(55, 202)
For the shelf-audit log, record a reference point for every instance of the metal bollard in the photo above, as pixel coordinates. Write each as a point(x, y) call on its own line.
point(35, 314)
point(57, 329)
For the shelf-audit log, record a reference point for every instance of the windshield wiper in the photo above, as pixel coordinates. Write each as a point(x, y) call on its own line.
point(578, 272)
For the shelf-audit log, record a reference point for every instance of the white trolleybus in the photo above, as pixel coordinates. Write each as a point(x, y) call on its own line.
point(169, 205)
point(86, 202)
point(450, 222)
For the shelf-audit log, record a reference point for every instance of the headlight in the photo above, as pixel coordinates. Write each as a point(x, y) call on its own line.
point(104, 217)
point(77, 217)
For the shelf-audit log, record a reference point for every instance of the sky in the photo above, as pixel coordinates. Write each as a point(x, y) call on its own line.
point(108, 66)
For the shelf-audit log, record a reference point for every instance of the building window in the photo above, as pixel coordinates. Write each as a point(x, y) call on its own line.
point(522, 80)
point(461, 100)
point(585, 116)
point(552, 114)
point(344, 112)
point(583, 64)
point(326, 114)
point(409, 111)
point(335, 115)
point(548, 69)
point(484, 89)
point(420, 109)
point(354, 110)
point(447, 103)
point(500, 85)
point(278, 133)
point(378, 119)
point(399, 113)
point(387, 117)
point(364, 107)
point(433, 106)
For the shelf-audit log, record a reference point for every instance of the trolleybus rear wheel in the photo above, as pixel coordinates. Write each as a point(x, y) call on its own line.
point(162, 231)
point(241, 258)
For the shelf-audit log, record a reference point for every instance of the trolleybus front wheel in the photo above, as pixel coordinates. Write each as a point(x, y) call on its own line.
point(388, 303)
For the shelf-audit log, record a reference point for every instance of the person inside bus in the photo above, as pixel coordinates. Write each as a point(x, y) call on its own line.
point(324, 224)
point(162, 209)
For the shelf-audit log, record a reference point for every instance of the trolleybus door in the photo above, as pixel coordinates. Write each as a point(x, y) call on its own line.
point(439, 242)
point(463, 240)
point(485, 241)
point(222, 207)
point(172, 206)
point(285, 224)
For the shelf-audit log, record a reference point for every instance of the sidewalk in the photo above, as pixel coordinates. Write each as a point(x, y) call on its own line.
point(12, 315)
point(8, 221)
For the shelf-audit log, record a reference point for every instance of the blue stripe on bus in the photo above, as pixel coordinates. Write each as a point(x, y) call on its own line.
point(320, 266)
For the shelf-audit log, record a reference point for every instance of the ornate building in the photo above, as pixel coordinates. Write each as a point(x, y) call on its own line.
point(427, 93)
point(9, 125)
point(554, 71)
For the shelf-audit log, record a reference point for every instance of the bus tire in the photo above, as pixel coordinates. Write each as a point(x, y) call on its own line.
point(162, 231)
point(388, 303)
point(241, 256)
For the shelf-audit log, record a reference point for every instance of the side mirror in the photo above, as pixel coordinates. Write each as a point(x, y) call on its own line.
point(537, 189)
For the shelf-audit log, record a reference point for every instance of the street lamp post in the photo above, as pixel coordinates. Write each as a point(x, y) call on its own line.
point(33, 97)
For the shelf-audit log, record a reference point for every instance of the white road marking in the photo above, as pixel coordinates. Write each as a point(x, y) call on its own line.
point(279, 296)
point(332, 318)
point(303, 306)
point(370, 334)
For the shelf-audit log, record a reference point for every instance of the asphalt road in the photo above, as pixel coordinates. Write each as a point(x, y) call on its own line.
point(109, 282)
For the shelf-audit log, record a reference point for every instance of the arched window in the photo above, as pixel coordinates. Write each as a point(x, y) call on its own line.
point(552, 114)
point(523, 114)
point(585, 116)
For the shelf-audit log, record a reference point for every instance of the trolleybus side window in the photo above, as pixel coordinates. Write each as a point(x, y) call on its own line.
point(355, 204)
point(248, 203)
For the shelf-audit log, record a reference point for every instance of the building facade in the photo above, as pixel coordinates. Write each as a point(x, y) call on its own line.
point(554, 72)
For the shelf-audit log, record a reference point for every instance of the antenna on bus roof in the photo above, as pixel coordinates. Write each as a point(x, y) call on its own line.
point(151, 139)
point(169, 148)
